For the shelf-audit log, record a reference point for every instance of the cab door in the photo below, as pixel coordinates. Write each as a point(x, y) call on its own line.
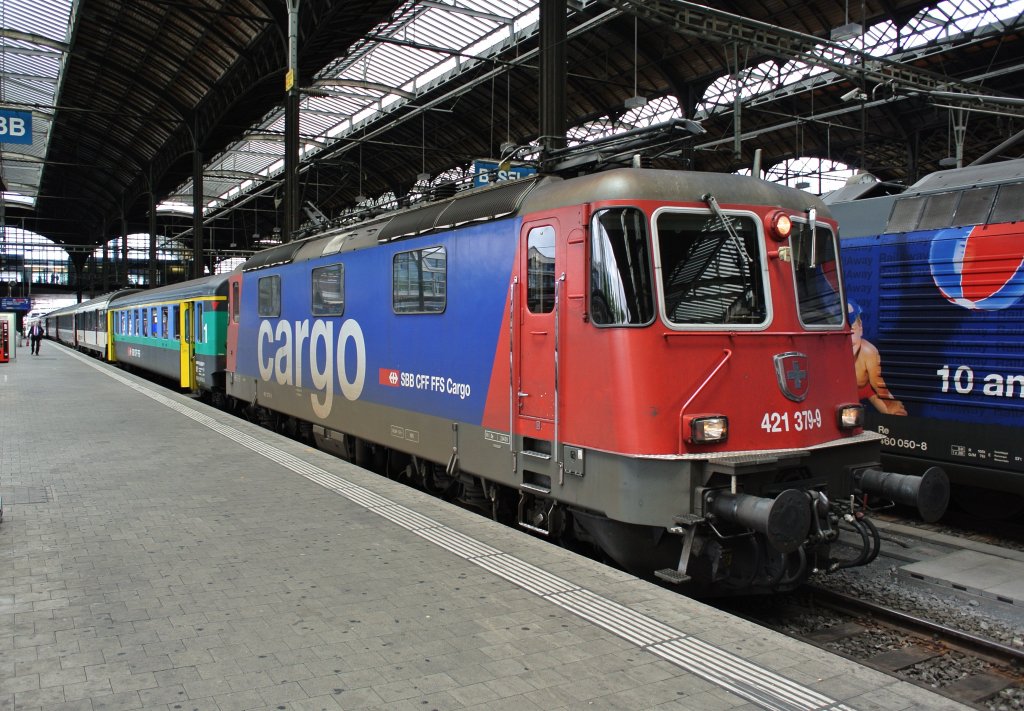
point(186, 346)
point(536, 339)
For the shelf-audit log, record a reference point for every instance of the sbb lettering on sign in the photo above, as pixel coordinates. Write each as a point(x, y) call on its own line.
point(15, 127)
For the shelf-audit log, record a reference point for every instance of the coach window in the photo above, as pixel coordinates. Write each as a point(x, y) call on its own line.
point(155, 315)
point(329, 290)
point(199, 323)
point(172, 324)
point(269, 297)
point(710, 269)
point(540, 270)
point(145, 322)
point(419, 281)
point(620, 269)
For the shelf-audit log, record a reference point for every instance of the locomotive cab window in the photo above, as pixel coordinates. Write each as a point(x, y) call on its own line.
point(329, 290)
point(236, 300)
point(419, 281)
point(711, 270)
point(620, 269)
point(269, 296)
point(816, 271)
point(540, 270)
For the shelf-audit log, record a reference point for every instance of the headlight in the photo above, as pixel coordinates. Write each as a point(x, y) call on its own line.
point(708, 429)
point(781, 226)
point(850, 416)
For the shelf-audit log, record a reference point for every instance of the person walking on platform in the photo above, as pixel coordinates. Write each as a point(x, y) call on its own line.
point(36, 335)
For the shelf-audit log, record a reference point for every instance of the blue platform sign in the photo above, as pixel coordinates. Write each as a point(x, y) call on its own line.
point(15, 304)
point(486, 171)
point(15, 126)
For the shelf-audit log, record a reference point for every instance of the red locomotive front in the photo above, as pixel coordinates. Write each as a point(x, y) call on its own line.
point(683, 379)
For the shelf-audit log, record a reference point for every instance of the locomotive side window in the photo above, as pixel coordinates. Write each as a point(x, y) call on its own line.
point(938, 211)
point(975, 204)
point(816, 270)
point(711, 272)
point(905, 215)
point(620, 269)
point(419, 281)
point(269, 296)
point(236, 300)
point(329, 290)
point(1009, 204)
point(540, 270)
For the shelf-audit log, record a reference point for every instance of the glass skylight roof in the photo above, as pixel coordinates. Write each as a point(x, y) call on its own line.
point(424, 43)
point(34, 37)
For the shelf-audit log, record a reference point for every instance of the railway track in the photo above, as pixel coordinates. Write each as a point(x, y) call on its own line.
point(959, 665)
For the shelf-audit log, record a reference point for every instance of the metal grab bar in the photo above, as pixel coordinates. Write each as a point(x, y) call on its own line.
point(726, 355)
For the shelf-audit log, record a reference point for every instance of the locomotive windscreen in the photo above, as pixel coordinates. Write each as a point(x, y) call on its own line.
point(816, 270)
point(711, 274)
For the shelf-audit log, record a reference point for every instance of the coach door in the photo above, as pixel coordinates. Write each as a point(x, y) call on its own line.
point(535, 339)
point(186, 343)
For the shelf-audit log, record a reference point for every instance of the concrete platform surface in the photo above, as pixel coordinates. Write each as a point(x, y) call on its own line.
point(159, 554)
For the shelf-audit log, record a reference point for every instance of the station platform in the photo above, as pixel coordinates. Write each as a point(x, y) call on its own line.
point(156, 553)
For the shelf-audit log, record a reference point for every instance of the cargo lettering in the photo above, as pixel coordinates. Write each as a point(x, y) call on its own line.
point(282, 351)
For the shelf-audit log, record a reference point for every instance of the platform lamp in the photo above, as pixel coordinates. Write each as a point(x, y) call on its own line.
point(848, 30)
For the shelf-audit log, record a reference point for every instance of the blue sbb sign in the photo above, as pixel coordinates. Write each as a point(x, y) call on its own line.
point(15, 303)
point(486, 172)
point(15, 126)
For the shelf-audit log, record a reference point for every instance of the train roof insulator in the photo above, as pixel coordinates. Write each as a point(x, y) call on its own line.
point(781, 226)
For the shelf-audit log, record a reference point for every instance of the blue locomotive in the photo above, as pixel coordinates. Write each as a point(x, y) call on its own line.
point(935, 276)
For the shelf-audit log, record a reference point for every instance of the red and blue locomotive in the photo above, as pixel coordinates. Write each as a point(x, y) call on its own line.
point(654, 362)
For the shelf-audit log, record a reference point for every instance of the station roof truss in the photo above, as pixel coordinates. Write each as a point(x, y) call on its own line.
point(399, 97)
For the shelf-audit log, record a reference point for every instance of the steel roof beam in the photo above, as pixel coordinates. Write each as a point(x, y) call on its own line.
point(699, 21)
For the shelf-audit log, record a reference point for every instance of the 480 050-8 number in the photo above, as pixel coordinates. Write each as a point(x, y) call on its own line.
point(901, 443)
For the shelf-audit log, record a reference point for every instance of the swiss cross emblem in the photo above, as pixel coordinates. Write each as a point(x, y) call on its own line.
point(791, 372)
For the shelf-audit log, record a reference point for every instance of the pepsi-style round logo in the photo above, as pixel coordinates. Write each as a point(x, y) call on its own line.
point(979, 268)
